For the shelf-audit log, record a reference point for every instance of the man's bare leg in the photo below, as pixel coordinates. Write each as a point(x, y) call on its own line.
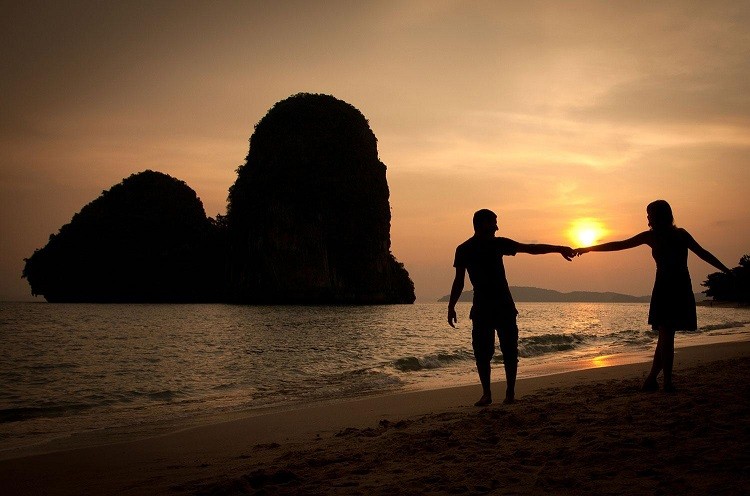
point(511, 370)
point(485, 371)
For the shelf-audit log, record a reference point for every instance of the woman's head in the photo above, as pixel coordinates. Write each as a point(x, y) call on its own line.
point(659, 215)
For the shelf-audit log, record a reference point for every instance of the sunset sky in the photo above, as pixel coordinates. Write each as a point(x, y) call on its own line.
point(552, 114)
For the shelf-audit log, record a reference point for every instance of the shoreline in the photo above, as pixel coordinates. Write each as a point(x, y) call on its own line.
point(528, 369)
point(212, 453)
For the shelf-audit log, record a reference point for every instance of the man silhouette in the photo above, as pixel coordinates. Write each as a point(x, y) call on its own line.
point(492, 309)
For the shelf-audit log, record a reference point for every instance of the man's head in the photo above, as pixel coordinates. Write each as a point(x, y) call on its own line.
point(485, 222)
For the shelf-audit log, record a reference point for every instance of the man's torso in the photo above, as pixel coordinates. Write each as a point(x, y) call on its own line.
point(483, 260)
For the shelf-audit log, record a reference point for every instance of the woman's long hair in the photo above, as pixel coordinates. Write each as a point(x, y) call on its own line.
point(660, 215)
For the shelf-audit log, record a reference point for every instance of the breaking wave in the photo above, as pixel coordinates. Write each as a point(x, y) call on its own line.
point(533, 346)
point(434, 361)
point(723, 325)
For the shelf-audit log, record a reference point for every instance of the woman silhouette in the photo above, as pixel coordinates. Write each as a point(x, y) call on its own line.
point(672, 300)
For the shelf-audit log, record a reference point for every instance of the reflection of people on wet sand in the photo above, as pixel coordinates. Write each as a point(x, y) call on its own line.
point(672, 300)
point(493, 309)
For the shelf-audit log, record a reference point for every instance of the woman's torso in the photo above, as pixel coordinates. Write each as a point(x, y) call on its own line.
point(669, 248)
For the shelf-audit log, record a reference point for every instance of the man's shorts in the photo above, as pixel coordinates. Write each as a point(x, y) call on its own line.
point(483, 337)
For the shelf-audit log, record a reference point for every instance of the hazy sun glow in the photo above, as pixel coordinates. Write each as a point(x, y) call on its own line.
point(586, 232)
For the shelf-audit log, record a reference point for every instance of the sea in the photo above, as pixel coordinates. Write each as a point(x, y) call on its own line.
point(74, 375)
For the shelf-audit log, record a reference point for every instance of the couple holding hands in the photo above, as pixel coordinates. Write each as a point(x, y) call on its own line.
point(672, 301)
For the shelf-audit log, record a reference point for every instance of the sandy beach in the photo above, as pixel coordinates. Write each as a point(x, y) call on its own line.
point(584, 432)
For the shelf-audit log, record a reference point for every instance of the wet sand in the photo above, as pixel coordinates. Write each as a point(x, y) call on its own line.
point(585, 432)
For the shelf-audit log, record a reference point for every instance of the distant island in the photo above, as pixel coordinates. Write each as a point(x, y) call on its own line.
point(530, 294)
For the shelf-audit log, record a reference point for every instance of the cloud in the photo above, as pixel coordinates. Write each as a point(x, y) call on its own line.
point(700, 97)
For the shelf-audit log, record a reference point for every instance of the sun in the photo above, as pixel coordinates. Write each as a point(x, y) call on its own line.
point(586, 232)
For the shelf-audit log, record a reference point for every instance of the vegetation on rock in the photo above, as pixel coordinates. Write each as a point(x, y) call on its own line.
point(734, 287)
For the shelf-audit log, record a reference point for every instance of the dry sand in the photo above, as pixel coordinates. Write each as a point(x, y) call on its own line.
point(586, 432)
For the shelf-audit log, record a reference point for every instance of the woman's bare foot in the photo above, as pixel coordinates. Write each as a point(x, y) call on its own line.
point(485, 400)
point(669, 388)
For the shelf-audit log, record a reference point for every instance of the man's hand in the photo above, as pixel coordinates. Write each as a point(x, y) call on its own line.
point(452, 320)
point(580, 251)
point(567, 252)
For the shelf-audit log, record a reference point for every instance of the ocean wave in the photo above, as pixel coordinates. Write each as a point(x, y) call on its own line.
point(534, 346)
point(133, 397)
point(97, 400)
point(224, 386)
point(346, 384)
point(433, 361)
point(53, 366)
point(723, 325)
point(20, 414)
point(631, 337)
point(165, 395)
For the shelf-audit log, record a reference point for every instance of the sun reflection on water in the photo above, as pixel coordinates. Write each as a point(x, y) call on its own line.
point(602, 361)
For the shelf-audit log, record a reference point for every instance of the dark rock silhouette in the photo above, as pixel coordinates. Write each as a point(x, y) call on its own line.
point(146, 239)
point(308, 221)
point(308, 216)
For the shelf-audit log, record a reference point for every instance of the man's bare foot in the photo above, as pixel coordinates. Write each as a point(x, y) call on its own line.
point(485, 400)
point(650, 386)
point(669, 388)
point(509, 399)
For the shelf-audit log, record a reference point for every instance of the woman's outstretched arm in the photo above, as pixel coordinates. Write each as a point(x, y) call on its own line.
point(637, 240)
point(705, 255)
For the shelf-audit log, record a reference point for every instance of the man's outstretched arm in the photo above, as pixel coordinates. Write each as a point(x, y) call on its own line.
point(456, 290)
point(540, 249)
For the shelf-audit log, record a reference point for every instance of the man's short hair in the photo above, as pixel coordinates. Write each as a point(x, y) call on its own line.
point(482, 216)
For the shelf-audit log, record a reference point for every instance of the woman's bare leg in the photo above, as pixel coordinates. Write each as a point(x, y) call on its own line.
point(650, 383)
point(666, 337)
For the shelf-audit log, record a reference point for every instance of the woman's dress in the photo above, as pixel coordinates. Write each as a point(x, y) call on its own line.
point(672, 300)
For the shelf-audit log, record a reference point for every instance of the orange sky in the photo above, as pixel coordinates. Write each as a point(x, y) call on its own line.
point(546, 112)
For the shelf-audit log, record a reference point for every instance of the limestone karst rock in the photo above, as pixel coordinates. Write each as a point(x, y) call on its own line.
point(146, 239)
point(308, 221)
point(309, 216)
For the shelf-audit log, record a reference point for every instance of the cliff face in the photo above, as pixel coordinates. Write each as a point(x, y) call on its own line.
point(308, 216)
point(146, 239)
